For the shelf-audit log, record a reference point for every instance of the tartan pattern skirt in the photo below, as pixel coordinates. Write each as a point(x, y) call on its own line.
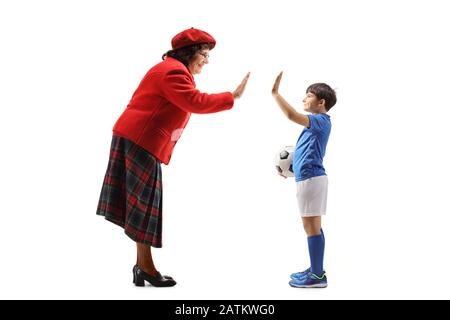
point(131, 195)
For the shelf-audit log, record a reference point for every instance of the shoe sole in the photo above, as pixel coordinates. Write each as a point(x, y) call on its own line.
point(318, 285)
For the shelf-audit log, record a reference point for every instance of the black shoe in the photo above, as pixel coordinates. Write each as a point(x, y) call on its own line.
point(134, 274)
point(157, 280)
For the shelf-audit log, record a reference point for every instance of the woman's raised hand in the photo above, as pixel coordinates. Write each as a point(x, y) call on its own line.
point(240, 89)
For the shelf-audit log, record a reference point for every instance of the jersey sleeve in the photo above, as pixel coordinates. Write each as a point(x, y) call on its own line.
point(318, 122)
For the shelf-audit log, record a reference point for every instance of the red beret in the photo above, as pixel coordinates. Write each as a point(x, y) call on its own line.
point(192, 36)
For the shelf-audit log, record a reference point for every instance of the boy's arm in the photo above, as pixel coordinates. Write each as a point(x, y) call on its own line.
point(287, 109)
point(290, 112)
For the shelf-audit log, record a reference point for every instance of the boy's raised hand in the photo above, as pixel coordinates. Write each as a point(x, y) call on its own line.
point(240, 89)
point(277, 84)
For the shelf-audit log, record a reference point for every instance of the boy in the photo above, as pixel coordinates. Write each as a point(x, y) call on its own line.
point(310, 176)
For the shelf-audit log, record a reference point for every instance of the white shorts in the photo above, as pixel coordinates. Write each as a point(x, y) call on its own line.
point(312, 196)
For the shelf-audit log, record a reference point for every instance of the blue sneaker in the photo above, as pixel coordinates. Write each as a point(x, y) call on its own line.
point(311, 280)
point(301, 274)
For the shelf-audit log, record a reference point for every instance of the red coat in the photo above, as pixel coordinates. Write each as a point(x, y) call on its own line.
point(162, 105)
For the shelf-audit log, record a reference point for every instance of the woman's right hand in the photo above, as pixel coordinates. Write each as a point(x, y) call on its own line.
point(240, 89)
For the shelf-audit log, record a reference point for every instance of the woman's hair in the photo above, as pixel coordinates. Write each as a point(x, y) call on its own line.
point(185, 54)
point(323, 91)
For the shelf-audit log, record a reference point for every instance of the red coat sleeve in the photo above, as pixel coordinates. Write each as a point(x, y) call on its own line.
point(179, 89)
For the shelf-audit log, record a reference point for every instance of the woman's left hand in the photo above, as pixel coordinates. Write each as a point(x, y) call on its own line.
point(240, 89)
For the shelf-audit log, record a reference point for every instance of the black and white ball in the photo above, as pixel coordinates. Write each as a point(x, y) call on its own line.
point(283, 161)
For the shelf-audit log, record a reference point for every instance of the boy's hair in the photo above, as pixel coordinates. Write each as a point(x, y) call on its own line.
point(323, 91)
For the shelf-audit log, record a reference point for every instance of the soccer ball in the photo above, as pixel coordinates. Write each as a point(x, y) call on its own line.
point(283, 161)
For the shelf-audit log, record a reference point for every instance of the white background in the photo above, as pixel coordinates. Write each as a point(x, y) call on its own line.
point(231, 226)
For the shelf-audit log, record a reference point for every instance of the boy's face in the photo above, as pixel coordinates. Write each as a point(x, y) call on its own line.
point(312, 104)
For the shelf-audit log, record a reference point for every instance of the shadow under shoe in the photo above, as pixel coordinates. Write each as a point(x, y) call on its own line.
point(139, 278)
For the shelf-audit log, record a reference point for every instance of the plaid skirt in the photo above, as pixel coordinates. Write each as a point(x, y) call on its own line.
point(131, 195)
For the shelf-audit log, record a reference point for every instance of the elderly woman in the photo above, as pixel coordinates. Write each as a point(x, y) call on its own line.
point(145, 135)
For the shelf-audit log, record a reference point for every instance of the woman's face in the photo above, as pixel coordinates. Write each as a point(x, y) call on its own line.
point(198, 61)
